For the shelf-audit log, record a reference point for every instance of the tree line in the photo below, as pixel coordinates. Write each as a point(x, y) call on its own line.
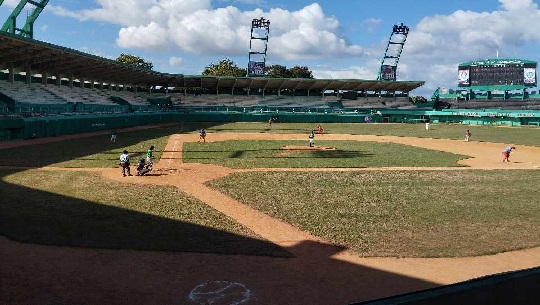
point(226, 67)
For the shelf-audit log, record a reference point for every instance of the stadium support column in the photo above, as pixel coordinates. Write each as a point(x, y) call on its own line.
point(28, 72)
point(71, 81)
point(44, 78)
point(11, 71)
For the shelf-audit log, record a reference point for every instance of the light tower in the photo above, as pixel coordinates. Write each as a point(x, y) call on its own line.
point(27, 30)
point(258, 45)
point(388, 69)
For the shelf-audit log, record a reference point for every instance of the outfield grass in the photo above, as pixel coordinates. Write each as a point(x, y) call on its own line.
point(509, 135)
point(260, 153)
point(401, 213)
point(80, 209)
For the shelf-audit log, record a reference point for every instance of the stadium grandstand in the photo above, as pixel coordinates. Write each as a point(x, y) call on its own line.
point(39, 79)
point(38, 74)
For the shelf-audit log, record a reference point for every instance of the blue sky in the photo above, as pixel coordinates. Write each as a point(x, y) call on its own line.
point(335, 39)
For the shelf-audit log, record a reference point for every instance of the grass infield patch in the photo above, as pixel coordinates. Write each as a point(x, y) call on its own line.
point(257, 154)
point(401, 213)
point(81, 209)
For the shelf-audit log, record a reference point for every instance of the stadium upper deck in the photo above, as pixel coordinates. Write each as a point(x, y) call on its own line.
point(18, 54)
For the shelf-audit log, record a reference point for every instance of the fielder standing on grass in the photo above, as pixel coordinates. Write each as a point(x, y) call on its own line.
point(311, 139)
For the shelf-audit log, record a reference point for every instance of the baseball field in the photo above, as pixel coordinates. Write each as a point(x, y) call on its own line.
point(256, 216)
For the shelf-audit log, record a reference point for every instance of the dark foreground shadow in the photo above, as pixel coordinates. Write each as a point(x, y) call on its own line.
point(34, 274)
point(516, 288)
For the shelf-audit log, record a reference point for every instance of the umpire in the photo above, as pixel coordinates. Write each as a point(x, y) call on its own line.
point(124, 163)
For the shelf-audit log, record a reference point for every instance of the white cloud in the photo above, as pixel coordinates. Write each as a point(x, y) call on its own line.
point(371, 24)
point(11, 3)
point(466, 32)
point(194, 26)
point(434, 48)
point(437, 44)
point(353, 72)
point(140, 12)
point(153, 36)
point(175, 61)
point(252, 2)
point(367, 70)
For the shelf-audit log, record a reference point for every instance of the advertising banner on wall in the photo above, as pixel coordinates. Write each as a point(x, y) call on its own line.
point(463, 78)
point(388, 72)
point(256, 68)
point(529, 76)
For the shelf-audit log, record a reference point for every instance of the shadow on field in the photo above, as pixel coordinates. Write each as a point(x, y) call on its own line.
point(48, 151)
point(52, 219)
point(305, 273)
point(47, 218)
point(288, 153)
point(41, 274)
point(56, 275)
point(518, 288)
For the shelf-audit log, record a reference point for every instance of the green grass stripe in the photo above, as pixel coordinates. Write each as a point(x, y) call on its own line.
point(261, 153)
point(401, 213)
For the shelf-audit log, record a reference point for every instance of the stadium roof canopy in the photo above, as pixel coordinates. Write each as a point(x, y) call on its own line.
point(498, 61)
point(22, 54)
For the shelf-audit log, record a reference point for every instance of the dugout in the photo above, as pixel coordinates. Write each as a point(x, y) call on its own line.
point(52, 126)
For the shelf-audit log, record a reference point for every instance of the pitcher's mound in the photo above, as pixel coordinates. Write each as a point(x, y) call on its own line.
point(292, 147)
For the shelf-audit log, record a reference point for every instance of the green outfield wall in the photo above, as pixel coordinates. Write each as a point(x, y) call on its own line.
point(16, 128)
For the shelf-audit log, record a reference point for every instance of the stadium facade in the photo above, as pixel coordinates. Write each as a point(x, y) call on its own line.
point(48, 90)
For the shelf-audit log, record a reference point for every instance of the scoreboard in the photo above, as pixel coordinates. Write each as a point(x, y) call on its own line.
point(497, 72)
